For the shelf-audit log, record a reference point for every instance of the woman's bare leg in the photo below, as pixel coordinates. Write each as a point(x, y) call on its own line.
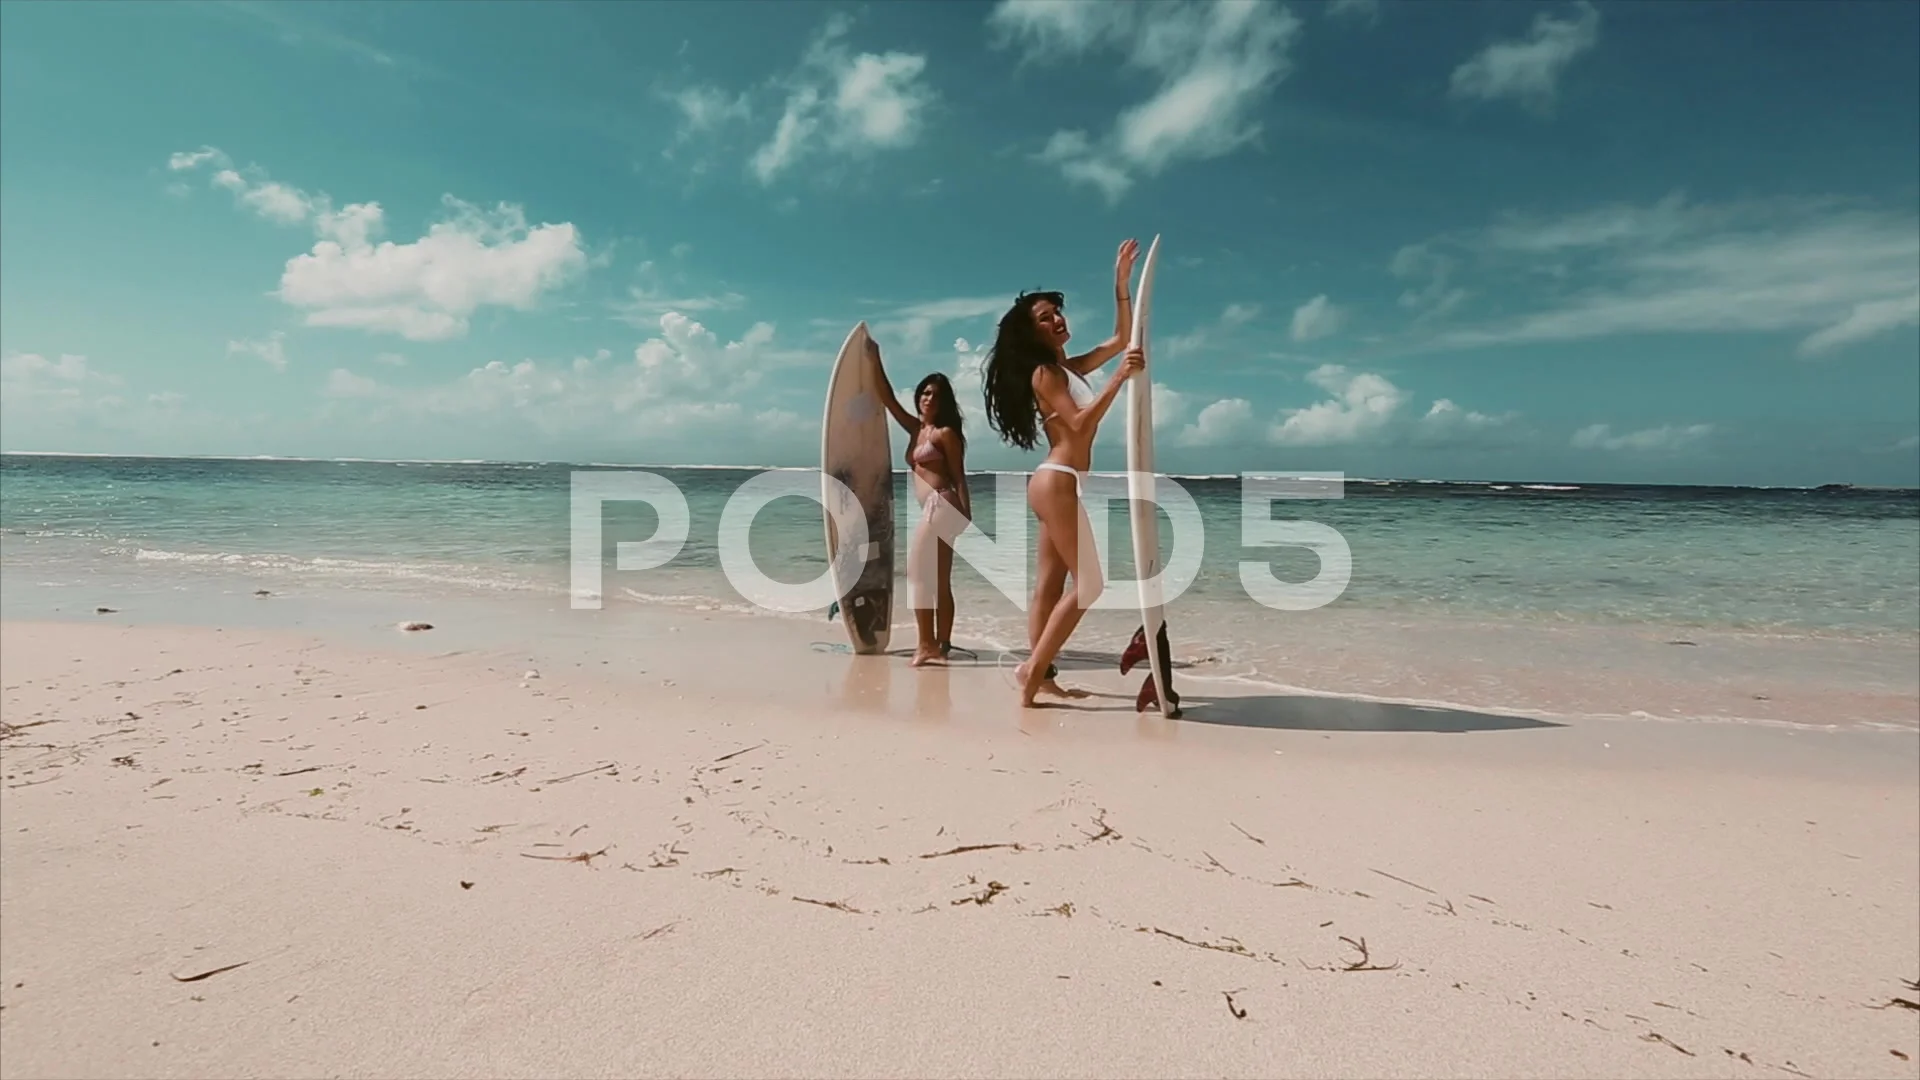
point(1050, 580)
point(1057, 504)
point(943, 634)
point(921, 572)
point(1050, 576)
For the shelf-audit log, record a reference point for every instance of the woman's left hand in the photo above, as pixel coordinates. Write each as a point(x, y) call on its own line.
point(1123, 266)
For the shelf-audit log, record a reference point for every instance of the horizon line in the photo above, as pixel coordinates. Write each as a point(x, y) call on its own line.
point(1559, 484)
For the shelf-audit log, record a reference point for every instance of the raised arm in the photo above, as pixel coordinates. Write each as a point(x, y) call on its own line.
point(1050, 387)
point(1090, 361)
point(907, 420)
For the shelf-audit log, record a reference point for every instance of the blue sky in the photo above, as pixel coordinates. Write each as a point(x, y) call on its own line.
point(1640, 242)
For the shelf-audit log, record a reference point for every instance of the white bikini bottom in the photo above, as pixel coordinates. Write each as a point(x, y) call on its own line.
point(1078, 476)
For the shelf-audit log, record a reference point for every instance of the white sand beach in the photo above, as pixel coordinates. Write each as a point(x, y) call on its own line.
point(246, 852)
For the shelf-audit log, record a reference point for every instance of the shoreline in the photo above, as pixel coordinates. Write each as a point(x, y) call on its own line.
point(1637, 673)
point(775, 857)
point(1545, 485)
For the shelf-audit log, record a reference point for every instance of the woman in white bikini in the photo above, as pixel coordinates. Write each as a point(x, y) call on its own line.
point(936, 463)
point(1030, 378)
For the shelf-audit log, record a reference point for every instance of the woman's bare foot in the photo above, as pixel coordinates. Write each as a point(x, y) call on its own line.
point(924, 655)
point(1047, 685)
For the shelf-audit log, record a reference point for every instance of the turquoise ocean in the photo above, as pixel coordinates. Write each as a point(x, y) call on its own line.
point(1499, 583)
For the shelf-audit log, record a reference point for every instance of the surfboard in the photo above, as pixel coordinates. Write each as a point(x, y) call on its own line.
point(1140, 482)
point(856, 450)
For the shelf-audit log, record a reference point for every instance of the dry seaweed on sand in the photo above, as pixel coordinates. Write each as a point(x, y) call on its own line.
point(964, 848)
point(984, 896)
point(1232, 945)
point(582, 772)
point(737, 753)
point(585, 858)
point(1106, 831)
point(1404, 881)
point(1232, 1007)
point(1656, 1037)
point(210, 974)
point(1365, 963)
point(836, 905)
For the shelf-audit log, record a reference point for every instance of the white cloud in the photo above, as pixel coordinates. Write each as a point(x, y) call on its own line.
point(644, 305)
point(272, 349)
point(1317, 318)
point(1439, 295)
point(1529, 70)
point(1080, 162)
point(1447, 424)
point(1866, 320)
point(1223, 423)
point(681, 388)
point(1367, 11)
point(30, 375)
point(1214, 63)
point(425, 290)
point(193, 159)
point(269, 199)
point(704, 108)
point(1443, 413)
point(845, 102)
point(687, 358)
point(43, 401)
point(1363, 405)
point(1170, 408)
point(67, 403)
point(1667, 437)
point(345, 384)
point(1838, 272)
point(1230, 319)
point(969, 380)
point(908, 329)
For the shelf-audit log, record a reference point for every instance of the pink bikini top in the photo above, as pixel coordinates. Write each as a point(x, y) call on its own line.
point(926, 453)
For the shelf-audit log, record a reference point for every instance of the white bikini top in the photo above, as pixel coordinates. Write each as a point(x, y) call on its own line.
point(1078, 388)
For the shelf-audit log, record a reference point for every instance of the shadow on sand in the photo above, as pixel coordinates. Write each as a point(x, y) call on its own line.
point(1301, 712)
point(1065, 660)
point(1274, 712)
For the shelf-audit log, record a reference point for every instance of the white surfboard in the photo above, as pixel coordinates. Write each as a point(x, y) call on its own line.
point(855, 448)
point(1140, 481)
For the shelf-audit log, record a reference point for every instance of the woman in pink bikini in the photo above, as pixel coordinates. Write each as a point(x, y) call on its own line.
point(937, 466)
point(1031, 380)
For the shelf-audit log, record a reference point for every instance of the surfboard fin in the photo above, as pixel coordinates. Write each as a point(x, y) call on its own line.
point(1136, 651)
point(1148, 696)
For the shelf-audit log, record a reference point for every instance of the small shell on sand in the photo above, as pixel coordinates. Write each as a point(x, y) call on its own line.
point(416, 626)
